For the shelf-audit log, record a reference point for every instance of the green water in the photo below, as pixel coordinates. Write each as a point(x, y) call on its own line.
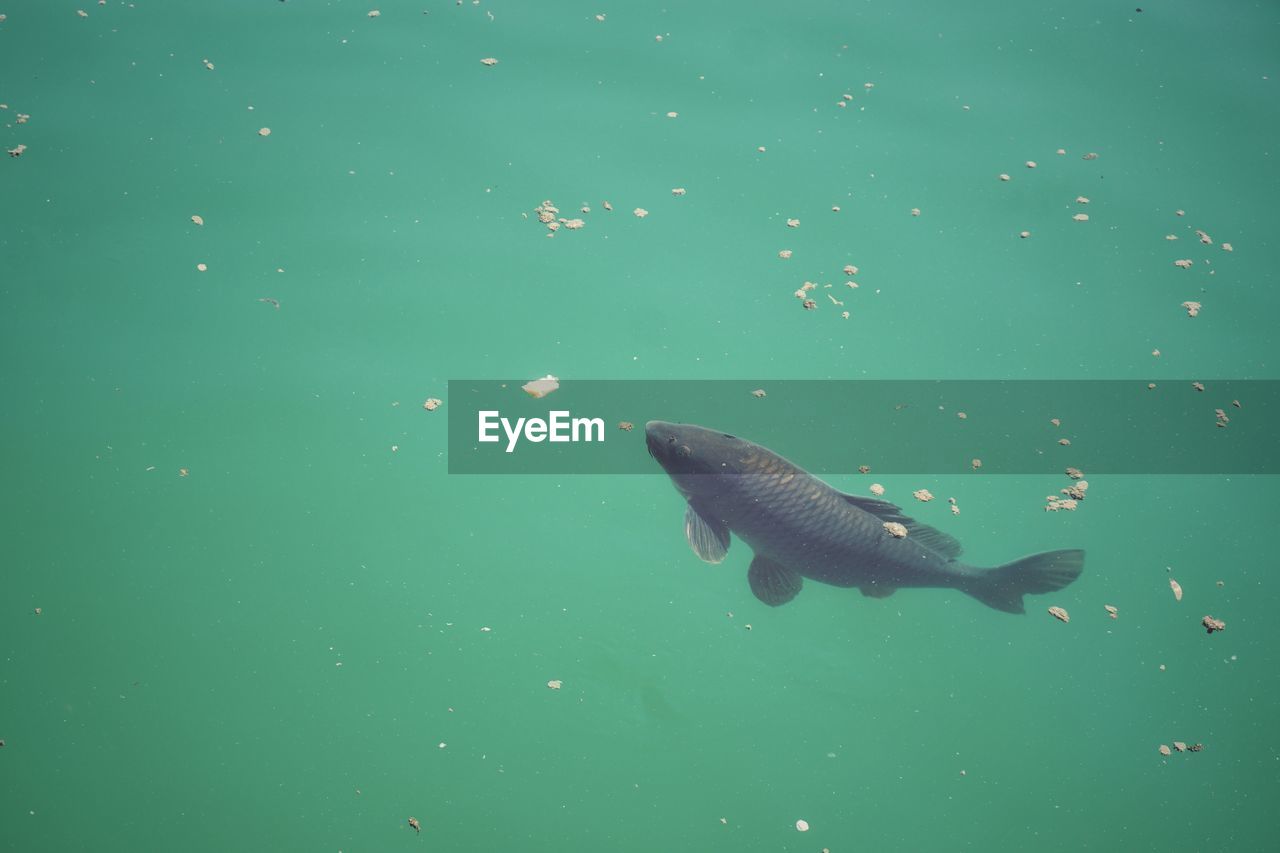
point(181, 689)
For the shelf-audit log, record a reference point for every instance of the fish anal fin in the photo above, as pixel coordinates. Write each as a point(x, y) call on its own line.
point(708, 536)
point(772, 582)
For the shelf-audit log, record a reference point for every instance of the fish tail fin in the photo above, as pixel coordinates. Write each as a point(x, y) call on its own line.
point(1002, 588)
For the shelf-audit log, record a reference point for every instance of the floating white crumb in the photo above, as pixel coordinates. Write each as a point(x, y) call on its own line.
point(432, 403)
point(1177, 589)
point(896, 530)
point(489, 60)
point(1060, 614)
point(876, 489)
point(264, 131)
point(539, 388)
point(1193, 308)
point(922, 495)
point(640, 212)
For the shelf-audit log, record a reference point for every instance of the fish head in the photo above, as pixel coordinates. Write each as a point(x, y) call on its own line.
point(696, 458)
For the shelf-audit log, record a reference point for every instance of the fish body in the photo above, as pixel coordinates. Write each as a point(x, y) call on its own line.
point(799, 527)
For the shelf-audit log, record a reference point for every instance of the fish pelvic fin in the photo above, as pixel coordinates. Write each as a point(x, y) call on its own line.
point(772, 582)
point(1002, 588)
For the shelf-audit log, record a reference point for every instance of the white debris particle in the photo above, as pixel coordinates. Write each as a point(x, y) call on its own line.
point(802, 825)
point(793, 223)
point(1005, 177)
point(896, 530)
point(785, 254)
point(1081, 217)
point(1177, 589)
point(539, 388)
point(1031, 164)
point(678, 191)
point(758, 393)
point(432, 404)
point(202, 267)
point(1060, 614)
point(264, 131)
point(197, 219)
point(489, 61)
point(1193, 308)
point(640, 212)
point(673, 115)
point(850, 269)
point(876, 489)
point(922, 495)
point(555, 684)
point(1183, 263)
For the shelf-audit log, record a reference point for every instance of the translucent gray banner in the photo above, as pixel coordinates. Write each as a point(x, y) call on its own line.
point(1181, 426)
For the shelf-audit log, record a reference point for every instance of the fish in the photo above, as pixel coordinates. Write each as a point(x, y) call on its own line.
point(799, 527)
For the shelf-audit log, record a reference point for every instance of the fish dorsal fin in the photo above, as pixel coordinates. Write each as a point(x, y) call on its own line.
point(708, 537)
point(930, 537)
point(772, 582)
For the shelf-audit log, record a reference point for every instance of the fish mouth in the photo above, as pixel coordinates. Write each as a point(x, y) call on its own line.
point(651, 440)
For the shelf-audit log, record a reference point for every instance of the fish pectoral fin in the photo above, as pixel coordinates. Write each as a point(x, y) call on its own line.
point(772, 582)
point(708, 537)
point(877, 590)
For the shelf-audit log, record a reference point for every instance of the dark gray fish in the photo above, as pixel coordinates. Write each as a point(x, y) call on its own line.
point(799, 527)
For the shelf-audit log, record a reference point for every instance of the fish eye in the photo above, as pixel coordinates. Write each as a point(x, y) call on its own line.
point(683, 451)
point(671, 439)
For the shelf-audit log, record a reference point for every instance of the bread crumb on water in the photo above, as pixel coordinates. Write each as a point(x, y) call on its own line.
point(876, 489)
point(1210, 624)
point(923, 495)
point(896, 530)
point(1060, 614)
point(432, 404)
point(538, 388)
point(1177, 589)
